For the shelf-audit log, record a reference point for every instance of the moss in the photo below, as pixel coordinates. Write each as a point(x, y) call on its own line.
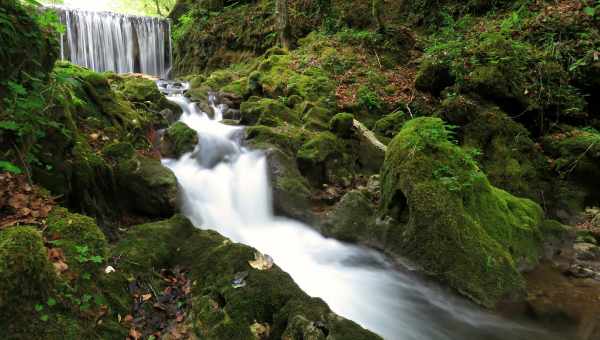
point(322, 159)
point(390, 124)
point(147, 186)
point(316, 118)
point(455, 223)
point(286, 138)
point(118, 150)
point(68, 231)
point(342, 124)
point(266, 111)
point(219, 310)
point(507, 154)
point(26, 275)
point(177, 140)
point(353, 220)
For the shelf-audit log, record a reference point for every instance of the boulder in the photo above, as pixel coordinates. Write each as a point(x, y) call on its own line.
point(146, 186)
point(177, 140)
point(452, 221)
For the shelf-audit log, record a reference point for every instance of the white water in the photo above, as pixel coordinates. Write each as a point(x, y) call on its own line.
point(225, 188)
point(106, 41)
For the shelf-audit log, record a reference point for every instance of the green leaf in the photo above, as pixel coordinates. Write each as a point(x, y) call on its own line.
point(8, 166)
point(51, 302)
point(44, 317)
point(86, 298)
point(39, 307)
point(96, 259)
point(9, 125)
point(589, 11)
point(86, 276)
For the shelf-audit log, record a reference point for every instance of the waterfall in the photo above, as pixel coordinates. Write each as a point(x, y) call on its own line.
point(106, 41)
point(225, 187)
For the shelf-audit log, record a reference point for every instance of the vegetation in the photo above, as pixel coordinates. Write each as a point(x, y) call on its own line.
point(447, 133)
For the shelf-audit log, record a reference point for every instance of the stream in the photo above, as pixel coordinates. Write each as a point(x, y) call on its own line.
point(225, 187)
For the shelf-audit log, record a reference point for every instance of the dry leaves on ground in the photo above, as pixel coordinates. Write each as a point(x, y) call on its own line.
point(22, 203)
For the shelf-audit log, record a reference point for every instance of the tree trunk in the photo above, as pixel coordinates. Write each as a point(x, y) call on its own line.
point(283, 24)
point(378, 8)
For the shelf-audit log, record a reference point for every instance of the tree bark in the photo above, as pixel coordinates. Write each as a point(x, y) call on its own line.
point(283, 24)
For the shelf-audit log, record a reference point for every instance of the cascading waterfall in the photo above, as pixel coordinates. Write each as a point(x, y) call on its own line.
point(225, 188)
point(105, 41)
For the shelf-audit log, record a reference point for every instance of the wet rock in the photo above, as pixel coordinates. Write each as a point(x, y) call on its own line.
point(580, 271)
point(342, 125)
point(291, 192)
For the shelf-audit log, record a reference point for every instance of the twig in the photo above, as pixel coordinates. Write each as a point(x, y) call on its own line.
point(378, 61)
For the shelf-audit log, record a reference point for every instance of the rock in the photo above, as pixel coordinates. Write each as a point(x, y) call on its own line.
point(353, 220)
point(433, 77)
point(390, 125)
point(580, 271)
point(342, 125)
point(177, 140)
point(291, 192)
point(218, 309)
point(586, 251)
point(453, 222)
point(147, 186)
point(323, 161)
point(269, 112)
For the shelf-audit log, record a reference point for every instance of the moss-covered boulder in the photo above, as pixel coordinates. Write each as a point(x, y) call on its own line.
point(147, 187)
point(322, 159)
point(390, 125)
point(453, 222)
point(220, 311)
point(143, 93)
point(353, 219)
point(342, 124)
point(177, 140)
point(269, 112)
point(26, 275)
point(433, 77)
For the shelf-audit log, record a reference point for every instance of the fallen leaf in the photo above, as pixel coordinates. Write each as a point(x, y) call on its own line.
point(134, 334)
point(146, 297)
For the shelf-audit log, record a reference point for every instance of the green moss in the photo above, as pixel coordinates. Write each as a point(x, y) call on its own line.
point(342, 124)
point(390, 124)
point(323, 159)
point(507, 154)
point(319, 148)
point(118, 150)
point(316, 118)
point(266, 111)
point(26, 275)
point(453, 222)
point(433, 77)
point(70, 231)
point(353, 220)
point(177, 140)
point(286, 138)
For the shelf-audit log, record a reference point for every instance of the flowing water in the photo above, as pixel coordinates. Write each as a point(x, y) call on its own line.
point(106, 41)
point(225, 188)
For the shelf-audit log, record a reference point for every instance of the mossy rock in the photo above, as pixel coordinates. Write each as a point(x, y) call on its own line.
point(26, 275)
point(342, 124)
point(452, 221)
point(269, 112)
point(353, 219)
point(118, 151)
point(322, 159)
point(286, 138)
point(178, 140)
point(316, 118)
point(390, 125)
point(146, 186)
point(219, 310)
point(507, 154)
point(291, 191)
point(433, 77)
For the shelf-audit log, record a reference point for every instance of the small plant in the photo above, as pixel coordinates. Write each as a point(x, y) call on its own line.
point(369, 99)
